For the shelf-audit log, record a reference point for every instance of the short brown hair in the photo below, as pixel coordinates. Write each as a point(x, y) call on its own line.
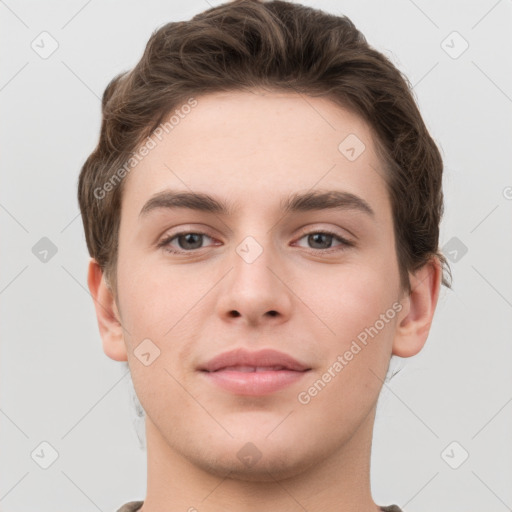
point(246, 44)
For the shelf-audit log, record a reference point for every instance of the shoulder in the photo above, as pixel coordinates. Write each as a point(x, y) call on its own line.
point(131, 506)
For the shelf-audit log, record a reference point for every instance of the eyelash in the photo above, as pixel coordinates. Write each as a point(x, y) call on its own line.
point(165, 243)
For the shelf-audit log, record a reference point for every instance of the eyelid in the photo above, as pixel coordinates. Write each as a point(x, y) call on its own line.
point(327, 230)
point(186, 229)
point(166, 239)
point(182, 229)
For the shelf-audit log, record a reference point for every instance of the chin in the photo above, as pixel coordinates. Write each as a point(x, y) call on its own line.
point(261, 461)
point(267, 469)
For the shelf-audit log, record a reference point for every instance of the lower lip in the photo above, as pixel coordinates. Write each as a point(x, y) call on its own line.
point(254, 383)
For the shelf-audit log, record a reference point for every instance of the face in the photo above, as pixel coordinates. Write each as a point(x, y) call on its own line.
point(265, 330)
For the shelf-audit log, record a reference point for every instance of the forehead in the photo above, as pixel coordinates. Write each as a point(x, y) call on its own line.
point(259, 147)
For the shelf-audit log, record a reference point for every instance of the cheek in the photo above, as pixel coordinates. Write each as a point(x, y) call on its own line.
point(161, 305)
point(150, 303)
point(356, 358)
point(354, 299)
point(362, 314)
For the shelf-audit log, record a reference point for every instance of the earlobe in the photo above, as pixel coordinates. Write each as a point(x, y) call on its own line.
point(107, 314)
point(414, 324)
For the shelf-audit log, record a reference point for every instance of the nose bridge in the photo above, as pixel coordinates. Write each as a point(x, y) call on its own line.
point(250, 249)
point(256, 248)
point(253, 262)
point(253, 289)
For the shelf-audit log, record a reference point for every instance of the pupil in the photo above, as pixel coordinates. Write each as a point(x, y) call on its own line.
point(314, 238)
point(189, 239)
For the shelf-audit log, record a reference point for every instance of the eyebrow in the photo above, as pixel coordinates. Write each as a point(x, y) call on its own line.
point(297, 202)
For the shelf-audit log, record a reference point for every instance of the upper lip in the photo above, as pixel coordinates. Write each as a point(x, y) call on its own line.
point(261, 358)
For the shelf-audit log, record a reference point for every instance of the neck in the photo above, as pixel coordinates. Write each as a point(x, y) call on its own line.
point(340, 482)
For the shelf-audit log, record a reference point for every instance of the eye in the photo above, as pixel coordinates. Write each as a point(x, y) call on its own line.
point(187, 241)
point(322, 240)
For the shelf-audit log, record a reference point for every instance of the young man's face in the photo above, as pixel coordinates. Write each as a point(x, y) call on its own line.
point(256, 279)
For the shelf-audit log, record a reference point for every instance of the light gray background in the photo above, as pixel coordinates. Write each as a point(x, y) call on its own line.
point(58, 386)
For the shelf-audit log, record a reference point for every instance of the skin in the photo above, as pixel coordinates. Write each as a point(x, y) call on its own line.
point(254, 149)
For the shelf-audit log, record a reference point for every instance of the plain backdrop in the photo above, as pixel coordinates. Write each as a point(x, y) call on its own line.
point(443, 431)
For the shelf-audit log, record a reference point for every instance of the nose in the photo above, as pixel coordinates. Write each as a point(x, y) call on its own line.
point(255, 290)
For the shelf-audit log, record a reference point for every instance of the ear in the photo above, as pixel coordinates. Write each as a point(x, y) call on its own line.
point(109, 322)
point(414, 322)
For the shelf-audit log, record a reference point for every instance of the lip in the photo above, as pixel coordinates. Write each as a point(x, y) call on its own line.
point(253, 373)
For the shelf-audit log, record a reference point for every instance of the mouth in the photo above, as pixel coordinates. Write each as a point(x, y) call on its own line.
point(247, 369)
point(243, 372)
